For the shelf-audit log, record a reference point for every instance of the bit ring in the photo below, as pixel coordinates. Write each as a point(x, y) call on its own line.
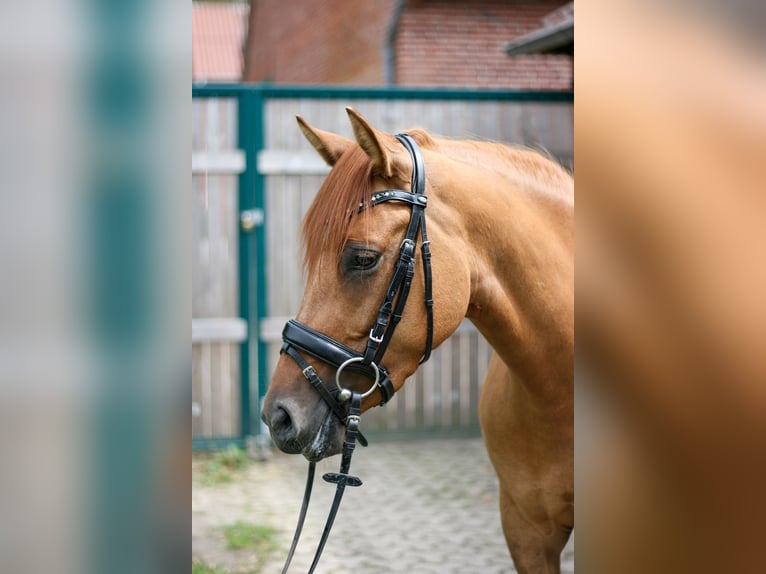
point(357, 360)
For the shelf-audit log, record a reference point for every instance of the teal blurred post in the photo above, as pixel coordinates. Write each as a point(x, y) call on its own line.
point(134, 282)
point(253, 296)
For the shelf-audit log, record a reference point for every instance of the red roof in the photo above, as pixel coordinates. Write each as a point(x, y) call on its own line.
point(218, 35)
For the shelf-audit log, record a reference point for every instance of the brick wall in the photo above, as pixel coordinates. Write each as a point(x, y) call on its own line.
point(318, 41)
point(443, 43)
point(458, 43)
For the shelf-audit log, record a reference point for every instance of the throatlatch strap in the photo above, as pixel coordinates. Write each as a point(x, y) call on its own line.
point(418, 184)
point(425, 249)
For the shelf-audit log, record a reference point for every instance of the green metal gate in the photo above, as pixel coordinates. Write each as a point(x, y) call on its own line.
point(239, 160)
point(267, 156)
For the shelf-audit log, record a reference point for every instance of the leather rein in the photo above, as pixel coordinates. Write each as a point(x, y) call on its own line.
point(345, 403)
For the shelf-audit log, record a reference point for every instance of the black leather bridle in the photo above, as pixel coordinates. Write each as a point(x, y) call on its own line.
point(344, 403)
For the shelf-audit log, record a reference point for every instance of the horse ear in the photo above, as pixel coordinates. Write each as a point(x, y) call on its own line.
point(373, 143)
point(329, 145)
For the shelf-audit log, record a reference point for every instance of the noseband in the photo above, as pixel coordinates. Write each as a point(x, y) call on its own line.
point(345, 403)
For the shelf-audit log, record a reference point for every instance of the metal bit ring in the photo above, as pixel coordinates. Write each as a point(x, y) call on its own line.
point(357, 360)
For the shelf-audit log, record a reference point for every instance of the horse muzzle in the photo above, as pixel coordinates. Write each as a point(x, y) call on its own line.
point(315, 436)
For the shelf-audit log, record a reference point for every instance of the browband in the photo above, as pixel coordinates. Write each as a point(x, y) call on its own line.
point(396, 195)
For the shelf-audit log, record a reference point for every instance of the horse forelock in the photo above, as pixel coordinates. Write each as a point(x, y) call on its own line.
point(336, 205)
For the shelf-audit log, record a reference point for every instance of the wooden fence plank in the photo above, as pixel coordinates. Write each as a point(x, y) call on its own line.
point(226, 162)
point(216, 328)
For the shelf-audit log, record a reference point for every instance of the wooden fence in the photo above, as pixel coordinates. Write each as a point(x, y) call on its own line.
point(444, 392)
point(217, 329)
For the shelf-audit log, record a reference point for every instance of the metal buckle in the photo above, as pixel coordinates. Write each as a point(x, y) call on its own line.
point(309, 372)
point(409, 241)
point(375, 339)
point(352, 418)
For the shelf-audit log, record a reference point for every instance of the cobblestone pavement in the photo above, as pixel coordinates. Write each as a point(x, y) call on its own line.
point(426, 506)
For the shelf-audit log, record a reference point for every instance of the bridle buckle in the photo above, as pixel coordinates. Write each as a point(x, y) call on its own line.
point(375, 339)
point(352, 418)
point(408, 242)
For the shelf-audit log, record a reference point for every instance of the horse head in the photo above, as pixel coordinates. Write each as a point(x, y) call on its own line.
point(352, 245)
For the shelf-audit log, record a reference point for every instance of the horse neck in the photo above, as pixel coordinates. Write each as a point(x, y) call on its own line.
point(515, 211)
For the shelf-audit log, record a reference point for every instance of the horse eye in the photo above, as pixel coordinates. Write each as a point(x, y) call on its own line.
point(365, 260)
point(359, 258)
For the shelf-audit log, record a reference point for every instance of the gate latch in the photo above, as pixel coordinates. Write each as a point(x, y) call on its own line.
point(250, 219)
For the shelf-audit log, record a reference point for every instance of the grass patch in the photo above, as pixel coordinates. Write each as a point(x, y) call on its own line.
point(223, 466)
point(202, 568)
point(258, 537)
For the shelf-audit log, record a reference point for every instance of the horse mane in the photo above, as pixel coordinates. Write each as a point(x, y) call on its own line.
point(539, 164)
point(336, 205)
point(533, 166)
point(422, 137)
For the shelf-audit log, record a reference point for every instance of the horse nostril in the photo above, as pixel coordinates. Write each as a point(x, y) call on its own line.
point(283, 429)
point(281, 421)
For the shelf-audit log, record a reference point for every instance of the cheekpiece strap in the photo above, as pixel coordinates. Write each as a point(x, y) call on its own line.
point(392, 307)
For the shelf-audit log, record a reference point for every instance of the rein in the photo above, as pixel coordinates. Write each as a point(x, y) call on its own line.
point(344, 403)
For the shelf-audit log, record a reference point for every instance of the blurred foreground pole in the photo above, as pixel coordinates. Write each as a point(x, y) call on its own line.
point(137, 290)
point(94, 289)
point(670, 140)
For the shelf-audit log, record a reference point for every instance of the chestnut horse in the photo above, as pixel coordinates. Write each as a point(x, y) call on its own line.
point(500, 223)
